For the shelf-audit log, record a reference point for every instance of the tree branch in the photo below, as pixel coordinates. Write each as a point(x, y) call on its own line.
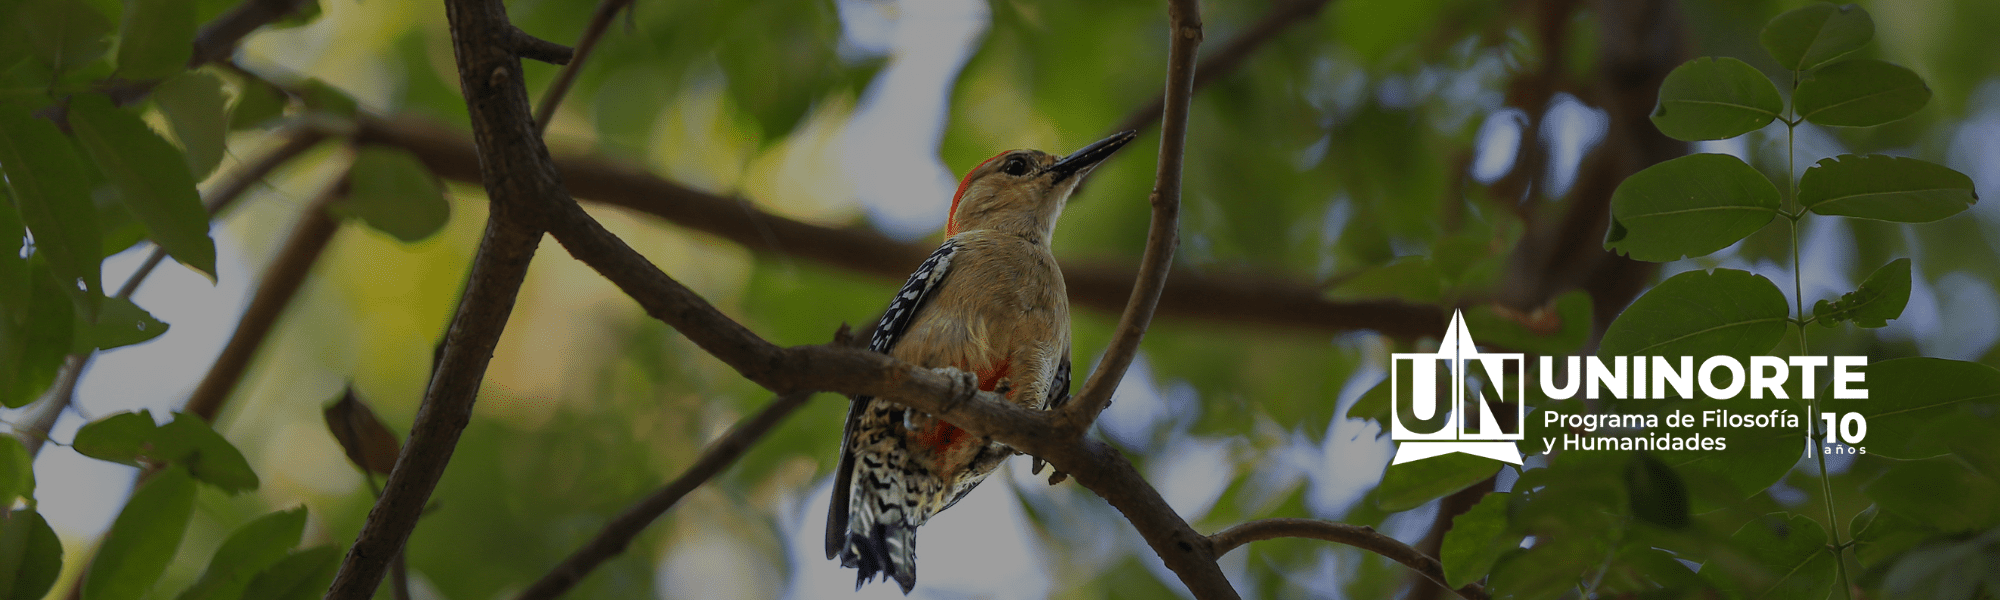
point(515, 167)
point(1231, 54)
point(282, 280)
point(1230, 298)
point(1184, 31)
point(526, 45)
point(553, 96)
point(619, 533)
point(1365, 538)
point(859, 372)
point(219, 37)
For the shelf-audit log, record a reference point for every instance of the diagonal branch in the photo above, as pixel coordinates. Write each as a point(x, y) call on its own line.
point(219, 37)
point(619, 533)
point(1231, 54)
point(1184, 27)
point(1365, 538)
point(282, 280)
point(515, 167)
point(553, 96)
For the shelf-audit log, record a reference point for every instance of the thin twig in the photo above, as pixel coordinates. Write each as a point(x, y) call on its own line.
point(518, 176)
point(219, 38)
point(298, 140)
point(1230, 55)
point(282, 280)
point(1184, 27)
point(526, 45)
point(1365, 538)
point(619, 533)
point(52, 406)
point(553, 96)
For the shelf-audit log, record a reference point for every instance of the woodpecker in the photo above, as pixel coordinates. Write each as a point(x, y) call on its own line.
point(991, 302)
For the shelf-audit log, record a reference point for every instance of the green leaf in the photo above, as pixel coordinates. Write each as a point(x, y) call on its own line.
point(254, 547)
point(66, 33)
point(118, 438)
point(307, 12)
point(30, 556)
point(1781, 555)
point(189, 441)
point(1373, 404)
point(1860, 93)
point(1476, 540)
point(1880, 536)
point(1911, 398)
point(1942, 492)
point(156, 39)
point(1700, 314)
point(1880, 298)
point(149, 175)
point(120, 323)
point(1411, 484)
point(304, 575)
point(1551, 569)
point(1753, 460)
point(34, 340)
point(17, 474)
point(1885, 188)
point(1559, 328)
point(1954, 569)
point(319, 96)
point(194, 105)
point(47, 182)
point(1689, 206)
point(1713, 98)
point(257, 102)
point(1656, 492)
point(15, 286)
point(394, 193)
point(1413, 278)
point(143, 538)
point(1807, 36)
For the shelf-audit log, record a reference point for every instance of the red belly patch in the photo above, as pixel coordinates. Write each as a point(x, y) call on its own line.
point(943, 436)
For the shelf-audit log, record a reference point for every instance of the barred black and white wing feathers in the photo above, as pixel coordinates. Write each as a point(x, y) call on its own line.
point(903, 308)
point(916, 292)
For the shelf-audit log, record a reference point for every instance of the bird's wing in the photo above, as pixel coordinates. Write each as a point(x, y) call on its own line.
point(915, 293)
point(1059, 387)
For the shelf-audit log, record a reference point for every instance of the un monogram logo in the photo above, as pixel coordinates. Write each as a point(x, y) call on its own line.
point(1457, 399)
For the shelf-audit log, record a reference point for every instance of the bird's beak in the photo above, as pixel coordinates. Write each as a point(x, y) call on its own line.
point(1080, 163)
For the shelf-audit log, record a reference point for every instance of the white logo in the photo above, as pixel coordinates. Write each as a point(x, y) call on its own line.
point(1466, 421)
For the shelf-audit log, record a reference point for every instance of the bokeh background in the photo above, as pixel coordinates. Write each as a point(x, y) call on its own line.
point(1359, 136)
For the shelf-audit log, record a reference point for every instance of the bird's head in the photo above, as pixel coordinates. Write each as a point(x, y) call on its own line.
point(1023, 191)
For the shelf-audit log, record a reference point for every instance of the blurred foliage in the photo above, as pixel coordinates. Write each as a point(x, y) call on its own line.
point(1341, 155)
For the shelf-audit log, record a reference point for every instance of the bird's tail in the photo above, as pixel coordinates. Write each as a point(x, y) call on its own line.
point(889, 549)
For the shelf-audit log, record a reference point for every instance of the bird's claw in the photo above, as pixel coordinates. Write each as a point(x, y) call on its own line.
point(966, 386)
point(1055, 476)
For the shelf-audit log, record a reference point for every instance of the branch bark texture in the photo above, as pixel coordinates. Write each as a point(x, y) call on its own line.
point(1184, 29)
point(1365, 538)
point(518, 175)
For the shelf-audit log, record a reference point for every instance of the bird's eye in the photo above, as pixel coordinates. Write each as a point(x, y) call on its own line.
point(1015, 166)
